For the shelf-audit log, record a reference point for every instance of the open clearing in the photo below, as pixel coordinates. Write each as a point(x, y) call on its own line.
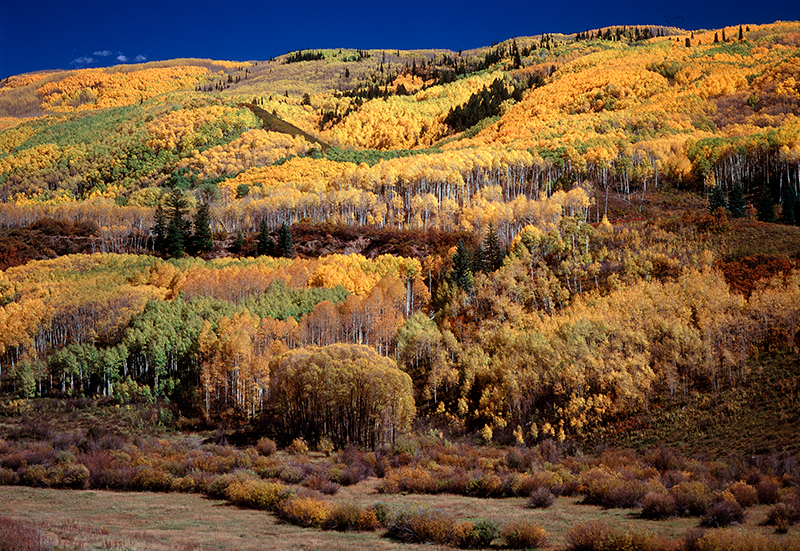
point(91, 520)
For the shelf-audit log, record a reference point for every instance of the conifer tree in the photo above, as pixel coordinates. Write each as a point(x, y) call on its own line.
point(265, 244)
point(737, 202)
point(491, 254)
point(461, 271)
point(791, 207)
point(717, 199)
point(238, 243)
point(766, 210)
point(178, 226)
point(160, 230)
point(201, 239)
point(285, 247)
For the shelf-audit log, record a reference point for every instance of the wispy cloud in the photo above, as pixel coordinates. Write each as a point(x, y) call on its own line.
point(82, 61)
point(103, 58)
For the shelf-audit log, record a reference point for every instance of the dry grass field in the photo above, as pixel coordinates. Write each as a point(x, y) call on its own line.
point(90, 520)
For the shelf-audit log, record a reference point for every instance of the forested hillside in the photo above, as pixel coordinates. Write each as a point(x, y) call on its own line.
point(524, 241)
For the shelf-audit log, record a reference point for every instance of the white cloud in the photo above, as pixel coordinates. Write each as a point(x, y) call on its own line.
point(85, 60)
point(103, 53)
point(122, 58)
point(140, 58)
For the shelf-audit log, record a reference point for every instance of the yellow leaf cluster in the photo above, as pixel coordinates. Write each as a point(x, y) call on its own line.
point(99, 88)
point(179, 129)
point(254, 148)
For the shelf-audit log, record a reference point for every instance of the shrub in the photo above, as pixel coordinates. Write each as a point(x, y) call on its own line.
point(658, 505)
point(744, 493)
point(782, 515)
point(740, 540)
point(151, 479)
point(381, 512)
point(304, 511)
point(37, 476)
point(541, 498)
point(723, 513)
point(672, 478)
point(767, 491)
point(298, 447)
point(522, 534)
point(596, 484)
point(484, 484)
point(325, 446)
point(479, 534)
point(427, 526)
point(625, 495)
point(75, 476)
point(266, 446)
point(368, 520)
point(588, 536)
point(8, 477)
point(599, 536)
point(691, 498)
point(21, 536)
point(343, 517)
point(255, 494)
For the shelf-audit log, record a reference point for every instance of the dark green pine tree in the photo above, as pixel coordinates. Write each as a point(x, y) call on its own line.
point(265, 244)
point(717, 199)
point(737, 204)
point(201, 239)
point(491, 251)
point(461, 271)
point(178, 227)
point(285, 246)
point(160, 230)
point(791, 207)
point(238, 243)
point(766, 209)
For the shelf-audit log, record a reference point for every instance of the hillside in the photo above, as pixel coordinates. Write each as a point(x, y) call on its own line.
point(530, 240)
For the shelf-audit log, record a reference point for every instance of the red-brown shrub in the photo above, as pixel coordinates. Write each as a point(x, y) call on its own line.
point(744, 493)
point(266, 446)
point(658, 505)
point(723, 513)
point(599, 536)
point(427, 525)
point(522, 534)
point(541, 498)
point(21, 536)
point(767, 490)
point(692, 498)
point(303, 511)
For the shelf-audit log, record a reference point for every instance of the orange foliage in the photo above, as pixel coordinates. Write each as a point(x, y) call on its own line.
point(98, 88)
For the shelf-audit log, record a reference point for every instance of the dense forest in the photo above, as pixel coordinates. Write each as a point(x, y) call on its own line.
point(521, 242)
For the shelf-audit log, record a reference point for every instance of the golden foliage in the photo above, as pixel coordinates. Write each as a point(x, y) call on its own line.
point(98, 88)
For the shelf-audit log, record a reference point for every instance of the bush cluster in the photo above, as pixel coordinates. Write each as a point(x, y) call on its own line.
point(21, 536)
point(600, 536)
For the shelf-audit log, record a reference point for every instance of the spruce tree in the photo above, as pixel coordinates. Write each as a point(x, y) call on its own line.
point(285, 247)
point(791, 207)
point(737, 204)
point(265, 245)
point(238, 243)
point(160, 230)
point(766, 209)
point(491, 252)
point(201, 239)
point(717, 199)
point(461, 271)
point(178, 226)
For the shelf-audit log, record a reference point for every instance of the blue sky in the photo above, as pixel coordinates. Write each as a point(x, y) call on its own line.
point(67, 35)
